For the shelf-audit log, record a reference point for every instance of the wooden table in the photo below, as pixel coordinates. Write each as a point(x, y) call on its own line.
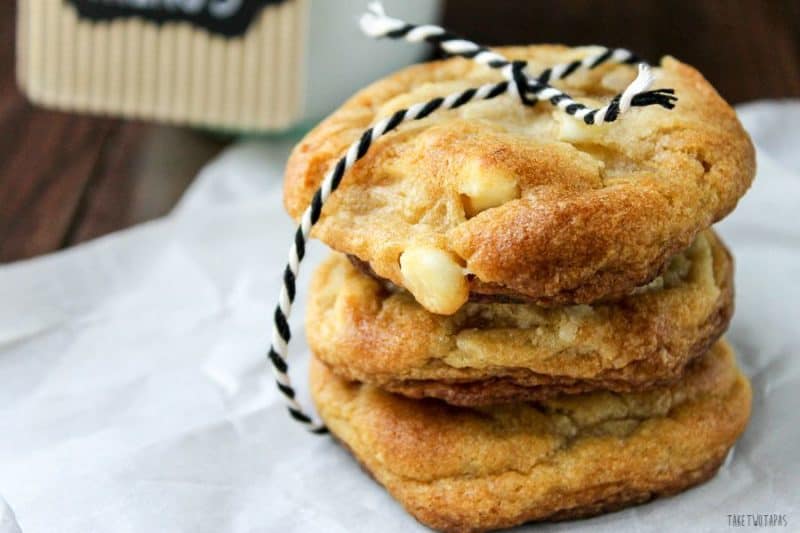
point(67, 178)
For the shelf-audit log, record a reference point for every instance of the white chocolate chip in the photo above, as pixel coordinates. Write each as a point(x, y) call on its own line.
point(575, 130)
point(567, 331)
point(434, 278)
point(485, 187)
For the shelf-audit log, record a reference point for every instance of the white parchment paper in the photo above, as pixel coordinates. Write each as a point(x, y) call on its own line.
point(135, 395)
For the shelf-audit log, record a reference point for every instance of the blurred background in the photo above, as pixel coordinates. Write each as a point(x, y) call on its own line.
point(66, 177)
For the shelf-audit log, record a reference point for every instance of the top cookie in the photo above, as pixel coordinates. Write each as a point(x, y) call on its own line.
point(496, 198)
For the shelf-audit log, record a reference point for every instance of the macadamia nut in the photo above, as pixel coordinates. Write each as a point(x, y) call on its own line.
point(435, 279)
point(485, 187)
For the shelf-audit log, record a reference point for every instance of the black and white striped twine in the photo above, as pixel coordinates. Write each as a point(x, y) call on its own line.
point(376, 24)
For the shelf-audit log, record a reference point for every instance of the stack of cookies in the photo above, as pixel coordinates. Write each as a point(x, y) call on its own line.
point(522, 317)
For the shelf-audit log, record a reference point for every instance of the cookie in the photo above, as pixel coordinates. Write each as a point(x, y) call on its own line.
point(464, 469)
point(499, 198)
point(490, 353)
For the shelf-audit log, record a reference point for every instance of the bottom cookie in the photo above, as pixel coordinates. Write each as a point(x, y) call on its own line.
point(476, 469)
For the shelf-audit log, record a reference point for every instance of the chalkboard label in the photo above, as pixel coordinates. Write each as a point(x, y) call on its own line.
point(225, 17)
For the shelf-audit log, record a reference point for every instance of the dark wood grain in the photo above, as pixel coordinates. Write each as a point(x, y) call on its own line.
point(68, 178)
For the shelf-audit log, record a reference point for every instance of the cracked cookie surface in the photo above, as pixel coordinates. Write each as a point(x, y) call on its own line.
point(500, 352)
point(524, 201)
point(466, 469)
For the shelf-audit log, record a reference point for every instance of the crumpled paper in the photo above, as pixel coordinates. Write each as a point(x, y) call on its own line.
point(135, 394)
